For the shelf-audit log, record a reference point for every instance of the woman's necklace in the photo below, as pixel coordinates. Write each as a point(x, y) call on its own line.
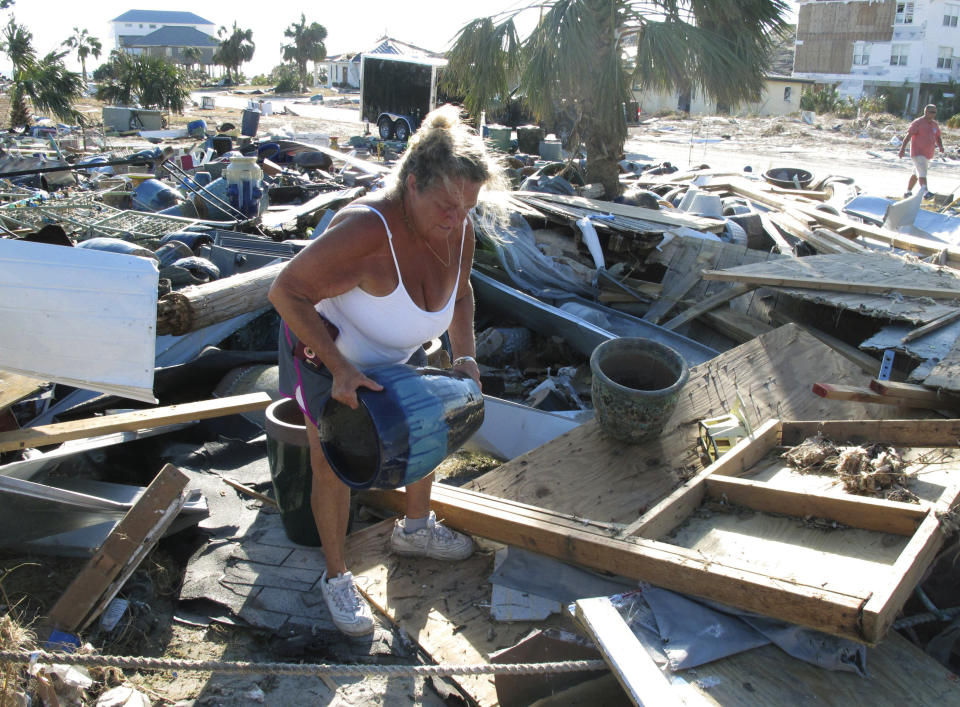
point(416, 233)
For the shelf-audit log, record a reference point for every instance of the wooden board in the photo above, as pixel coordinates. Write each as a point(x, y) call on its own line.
point(584, 473)
point(129, 540)
point(136, 420)
point(863, 394)
point(712, 302)
point(639, 676)
point(14, 387)
point(900, 674)
point(769, 560)
point(665, 564)
point(668, 218)
point(870, 278)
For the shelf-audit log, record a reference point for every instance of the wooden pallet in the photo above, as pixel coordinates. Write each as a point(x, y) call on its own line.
point(820, 558)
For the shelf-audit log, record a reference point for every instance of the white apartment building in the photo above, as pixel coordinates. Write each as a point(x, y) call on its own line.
point(864, 46)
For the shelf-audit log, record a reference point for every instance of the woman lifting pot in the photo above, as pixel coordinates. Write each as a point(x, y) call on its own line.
point(391, 272)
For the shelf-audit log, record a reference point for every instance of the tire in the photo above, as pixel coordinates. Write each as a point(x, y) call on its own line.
point(385, 128)
point(402, 130)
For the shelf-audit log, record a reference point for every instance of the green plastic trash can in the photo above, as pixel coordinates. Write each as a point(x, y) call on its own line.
point(288, 452)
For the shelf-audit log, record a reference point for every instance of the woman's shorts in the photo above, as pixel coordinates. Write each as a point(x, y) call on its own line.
point(306, 379)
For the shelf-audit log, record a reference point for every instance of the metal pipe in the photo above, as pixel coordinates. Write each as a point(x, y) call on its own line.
point(71, 167)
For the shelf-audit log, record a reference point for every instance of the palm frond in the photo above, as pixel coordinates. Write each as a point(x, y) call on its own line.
point(481, 64)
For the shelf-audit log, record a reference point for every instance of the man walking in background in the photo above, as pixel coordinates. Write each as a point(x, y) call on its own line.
point(924, 138)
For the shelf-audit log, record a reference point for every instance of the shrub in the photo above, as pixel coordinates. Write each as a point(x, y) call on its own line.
point(285, 78)
point(823, 100)
point(150, 81)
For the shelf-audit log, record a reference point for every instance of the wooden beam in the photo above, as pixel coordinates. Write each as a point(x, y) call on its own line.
point(780, 243)
point(127, 543)
point(128, 421)
point(910, 391)
point(854, 511)
point(671, 296)
point(937, 323)
point(641, 679)
point(814, 283)
point(913, 433)
point(735, 325)
point(823, 240)
point(843, 243)
point(665, 565)
point(860, 394)
point(675, 508)
point(803, 193)
point(14, 387)
point(881, 609)
point(706, 305)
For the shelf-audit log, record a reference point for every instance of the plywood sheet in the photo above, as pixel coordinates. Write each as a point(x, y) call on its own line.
point(443, 606)
point(900, 674)
point(844, 560)
point(586, 474)
point(876, 268)
point(946, 374)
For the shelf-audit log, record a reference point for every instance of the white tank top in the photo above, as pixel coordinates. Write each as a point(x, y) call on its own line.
point(376, 331)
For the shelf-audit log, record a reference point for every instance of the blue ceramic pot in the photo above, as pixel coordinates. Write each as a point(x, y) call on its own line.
point(401, 434)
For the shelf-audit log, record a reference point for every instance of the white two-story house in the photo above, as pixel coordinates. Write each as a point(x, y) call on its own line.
point(866, 46)
point(132, 25)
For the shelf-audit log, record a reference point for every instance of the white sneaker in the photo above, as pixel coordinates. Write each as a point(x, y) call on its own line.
point(436, 541)
point(349, 611)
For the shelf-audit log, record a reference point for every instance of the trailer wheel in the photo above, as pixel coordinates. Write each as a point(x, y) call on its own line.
point(401, 129)
point(385, 127)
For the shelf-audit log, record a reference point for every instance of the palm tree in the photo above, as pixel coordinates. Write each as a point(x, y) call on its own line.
point(46, 82)
point(236, 47)
point(584, 55)
point(307, 46)
point(192, 56)
point(86, 45)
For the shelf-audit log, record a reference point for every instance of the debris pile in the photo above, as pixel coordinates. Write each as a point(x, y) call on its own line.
point(871, 470)
point(789, 295)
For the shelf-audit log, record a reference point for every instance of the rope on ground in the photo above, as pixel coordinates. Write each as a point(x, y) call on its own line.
point(223, 666)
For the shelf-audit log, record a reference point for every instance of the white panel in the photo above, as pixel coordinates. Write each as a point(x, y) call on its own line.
point(82, 317)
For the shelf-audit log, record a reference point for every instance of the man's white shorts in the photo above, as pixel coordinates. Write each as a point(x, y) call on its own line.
point(920, 165)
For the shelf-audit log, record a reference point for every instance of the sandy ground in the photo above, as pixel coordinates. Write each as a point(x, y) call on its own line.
point(831, 146)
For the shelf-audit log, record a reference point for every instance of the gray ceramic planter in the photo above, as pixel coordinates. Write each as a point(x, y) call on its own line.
point(636, 384)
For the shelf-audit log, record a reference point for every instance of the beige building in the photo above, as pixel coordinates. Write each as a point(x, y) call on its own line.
point(781, 96)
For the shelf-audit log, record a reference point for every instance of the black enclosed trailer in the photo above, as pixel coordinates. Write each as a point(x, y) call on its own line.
point(397, 92)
